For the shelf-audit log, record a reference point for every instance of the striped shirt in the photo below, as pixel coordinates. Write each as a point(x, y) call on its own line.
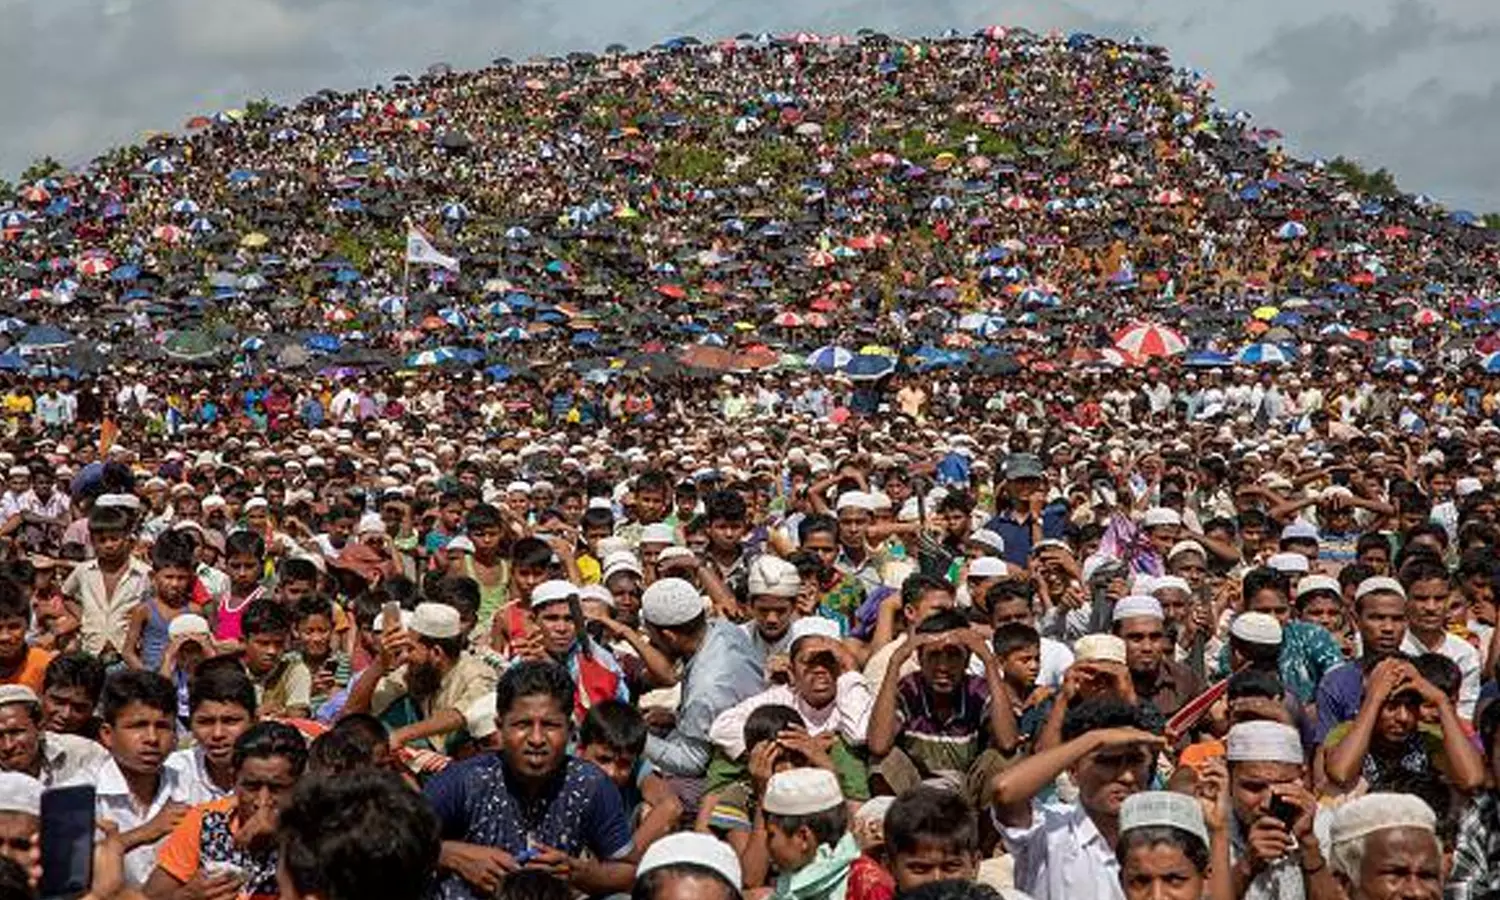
point(948, 745)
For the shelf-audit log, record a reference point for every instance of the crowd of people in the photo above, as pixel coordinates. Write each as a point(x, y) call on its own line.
point(795, 468)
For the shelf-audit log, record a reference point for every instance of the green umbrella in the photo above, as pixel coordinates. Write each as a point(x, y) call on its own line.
point(190, 346)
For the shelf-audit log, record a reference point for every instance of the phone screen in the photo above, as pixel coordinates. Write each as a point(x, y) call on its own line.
point(67, 842)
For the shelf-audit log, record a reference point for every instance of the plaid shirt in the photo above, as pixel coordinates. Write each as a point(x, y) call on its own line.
point(1476, 855)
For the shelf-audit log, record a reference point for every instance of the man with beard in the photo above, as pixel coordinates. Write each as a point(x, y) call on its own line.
point(422, 681)
point(55, 759)
point(531, 806)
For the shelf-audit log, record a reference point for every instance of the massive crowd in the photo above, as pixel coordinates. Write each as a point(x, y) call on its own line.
point(820, 469)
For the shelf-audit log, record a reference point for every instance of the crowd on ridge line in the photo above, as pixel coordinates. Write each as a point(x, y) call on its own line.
point(731, 206)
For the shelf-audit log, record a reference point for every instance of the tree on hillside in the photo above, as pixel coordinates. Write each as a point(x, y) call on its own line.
point(42, 168)
point(1380, 183)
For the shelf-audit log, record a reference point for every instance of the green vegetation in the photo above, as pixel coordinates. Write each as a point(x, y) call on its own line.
point(1379, 183)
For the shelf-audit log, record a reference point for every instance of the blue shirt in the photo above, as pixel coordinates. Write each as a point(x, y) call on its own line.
point(1339, 695)
point(1017, 532)
point(724, 671)
point(579, 810)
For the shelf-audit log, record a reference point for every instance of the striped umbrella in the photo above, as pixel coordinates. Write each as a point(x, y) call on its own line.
point(1264, 354)
point(1142, 339)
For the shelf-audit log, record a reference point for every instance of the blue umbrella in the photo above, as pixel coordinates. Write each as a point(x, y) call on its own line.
point(252, 344)
point(468, 356)
point(1264, 354)
point(242, 176)
point(394, 305)
point(11, 361)
point(869, 367)
point(7, 325)
point(14, 218)
point(585, 338)
point(1290, 231)
point(1207, 359)
point(45, 337)
point(829, 358)
point(127, 272)
point(323, 343)
point(185, 207)
point(454, 212)
point(427, 358)
point(517, 233)
point(1290, 320)
point(498, 372)
point(1490, 364)
point(346, 276)
point(160, 166)
point(454, 317)
point(514, 333)
point(519, 301)
point(1399, 365)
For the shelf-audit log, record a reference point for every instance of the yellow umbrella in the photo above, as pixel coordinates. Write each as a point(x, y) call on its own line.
point(1266, 313)
point(254, 240)
point(744, 326)
point(877, 350)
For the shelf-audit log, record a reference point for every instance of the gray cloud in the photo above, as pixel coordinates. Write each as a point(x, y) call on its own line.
point(1406, 84)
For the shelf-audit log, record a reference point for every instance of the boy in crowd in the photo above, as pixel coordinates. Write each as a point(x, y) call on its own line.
point(104, 590)
point(613, 737)
point(70, 694)
point(283, 683)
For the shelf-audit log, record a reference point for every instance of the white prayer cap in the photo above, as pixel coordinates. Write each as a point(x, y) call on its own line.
point(370, 523)
point(597, 592)
point(1188, 546)
point(812, 626)
point(772, 576)
point(620, 561)
point(256, 503)
point(988, 538)
point(1262, 741)
point(1356, 820)
point(1160, 515)
point(1300, 531)
point(1094, 562)
point(213, 501)
point(668, 554)
point(1171, 582)
point(1256, 628)
point(670, 602)
point(601, 503)
point(17, 693)
point(1150, 809)
point(553, 590)
point(1137, 606)
point(855, 500)
point(612, 545)
point(518, 487)
point(436, 620)
point(988, 567)
point(188, 623)
point(694, 849)
point(1314, 583)
point(1289, 562)
point(1378, 811)
point(1463, 487)
point(123, 501)
point(479, 717)
point(1099, 648)
point(20, 472)
point(460, 544)
point(802, 792)
point(659, 533)
point(20, 793)
point(869, 820)
point(880, 500)
point(1380, 584)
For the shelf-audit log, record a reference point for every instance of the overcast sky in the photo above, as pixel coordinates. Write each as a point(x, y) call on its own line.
point(1412, 85)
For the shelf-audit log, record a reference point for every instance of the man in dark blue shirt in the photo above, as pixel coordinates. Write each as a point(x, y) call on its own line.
point(1024, 516)
point(531, 806)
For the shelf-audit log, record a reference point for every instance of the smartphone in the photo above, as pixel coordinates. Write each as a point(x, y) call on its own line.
point(67, 842)
point(390, 616)
point(1285, 810)
point(1340, 477)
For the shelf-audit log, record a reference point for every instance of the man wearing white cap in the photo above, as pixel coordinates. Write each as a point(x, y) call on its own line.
point(1380, 618)
point(773, 586)
point(688, 866)
point(719, 669)
point(53, 758)
point(1384, 846)
point(426, 670)
point(1308, 652)
point(594, 670)
point(826, 689)
point(1167, 684)
point(1272, 840)
point(20, 817)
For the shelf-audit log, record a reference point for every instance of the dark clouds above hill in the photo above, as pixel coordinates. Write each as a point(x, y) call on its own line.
point(1406, 84)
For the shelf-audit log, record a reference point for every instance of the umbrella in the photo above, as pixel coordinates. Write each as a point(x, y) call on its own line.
point(185, 207)
point(323, 343)
point(190, 346)
point(1490, 363)
point(1427, 317)
point(1146, 339)
point(44, 337)
point(829, 358)
point(1400, 365)
point(428, 358)
point(1263, 354)
point(869, 367)
point(159, 166)
point(1291, 231)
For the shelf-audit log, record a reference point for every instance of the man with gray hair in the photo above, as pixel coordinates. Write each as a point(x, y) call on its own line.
point(1385, 847)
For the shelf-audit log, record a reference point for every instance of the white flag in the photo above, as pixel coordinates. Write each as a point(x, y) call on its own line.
point(419, 250)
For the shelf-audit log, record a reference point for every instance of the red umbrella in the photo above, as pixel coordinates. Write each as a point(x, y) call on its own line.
point(674, 291)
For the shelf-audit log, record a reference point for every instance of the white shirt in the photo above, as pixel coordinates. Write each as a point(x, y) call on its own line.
point(1055, 659)
point(1464, 656)
point(112, 801)
point(192, 770)
point(848, 715)
point(1062, 856)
